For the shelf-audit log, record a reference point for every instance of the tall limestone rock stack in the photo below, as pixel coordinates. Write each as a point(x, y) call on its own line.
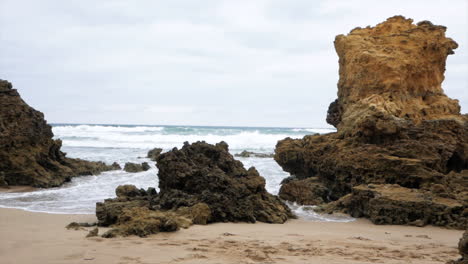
point(400, 153)
point(28, 154)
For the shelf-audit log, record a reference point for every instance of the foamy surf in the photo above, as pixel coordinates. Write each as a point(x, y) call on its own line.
point(125, 143)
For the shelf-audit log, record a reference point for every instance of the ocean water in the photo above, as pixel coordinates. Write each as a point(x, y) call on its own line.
point(129, 143)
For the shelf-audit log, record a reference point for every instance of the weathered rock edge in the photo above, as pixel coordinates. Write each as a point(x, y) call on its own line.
point(28, 154)
point(462, 249)
point(400, 153)
point(199, 184)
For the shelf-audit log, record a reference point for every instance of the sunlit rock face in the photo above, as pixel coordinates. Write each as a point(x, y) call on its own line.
point(394, 125)
point(395, 68)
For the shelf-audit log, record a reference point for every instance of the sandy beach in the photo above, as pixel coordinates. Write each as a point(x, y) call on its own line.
point(29, 237)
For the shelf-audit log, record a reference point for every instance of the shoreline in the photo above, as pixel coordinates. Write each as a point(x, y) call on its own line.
point(42, 238)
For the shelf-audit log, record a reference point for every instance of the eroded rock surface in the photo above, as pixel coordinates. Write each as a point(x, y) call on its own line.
point(154, 153)
point(249, 154)
point(395, 127)
point(28, 154)
point(134, 167)
point(199, 184)
point(308, 191)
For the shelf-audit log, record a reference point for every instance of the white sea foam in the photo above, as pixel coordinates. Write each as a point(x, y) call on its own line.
point(131, 143)
point(82, 129)
point(80, 195)
point(314, 130)
point(307, 212)
point(240, 141)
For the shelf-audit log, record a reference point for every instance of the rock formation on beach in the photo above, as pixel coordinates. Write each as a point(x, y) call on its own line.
point(28, 154)
point(199, 184)
point(134, 167)
point(154, 153)
point(400, 153)
point(250, 154)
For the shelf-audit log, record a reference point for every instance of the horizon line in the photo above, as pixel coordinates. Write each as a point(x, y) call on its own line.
point(104, 124)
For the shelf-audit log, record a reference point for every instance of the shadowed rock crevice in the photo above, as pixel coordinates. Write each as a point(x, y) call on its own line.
point(396, 129)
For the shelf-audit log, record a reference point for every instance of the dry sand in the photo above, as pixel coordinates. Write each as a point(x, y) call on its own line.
point(28, 237)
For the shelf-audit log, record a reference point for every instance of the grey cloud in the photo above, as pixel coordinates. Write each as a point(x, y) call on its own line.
point(256, 63)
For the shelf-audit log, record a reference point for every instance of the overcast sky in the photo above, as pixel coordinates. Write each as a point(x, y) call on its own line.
point(235, 63)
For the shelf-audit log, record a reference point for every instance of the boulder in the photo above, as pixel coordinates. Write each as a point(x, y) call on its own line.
point(154, 153)
point(199, 184)
point(128, 197)
point(116, 166)
point(29, 155)
point(308, 191)
point(134, 167)
point(394, 125)
point(248, 154)
point(93, 232)
point(396, 205)
point(208, 173)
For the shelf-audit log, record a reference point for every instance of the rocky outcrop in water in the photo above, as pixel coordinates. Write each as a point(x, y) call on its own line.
point(400, 153)
point(154, 153)
point(28, 154)
point(250, 154)
point(134, 167)
point(200, 183)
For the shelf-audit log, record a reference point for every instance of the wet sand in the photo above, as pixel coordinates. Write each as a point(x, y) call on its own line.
point(28, 237)
point(11, 189)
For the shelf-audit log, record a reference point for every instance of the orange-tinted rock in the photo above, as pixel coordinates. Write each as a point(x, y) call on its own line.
point(394, 123)
point(395, 68)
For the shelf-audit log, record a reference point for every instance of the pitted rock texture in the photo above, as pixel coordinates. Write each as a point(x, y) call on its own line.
point(308, 191)
point(394, 125)
point(28, 154)
point(134, 167)
point(154, 153)
point(199, 184)
point(395, 68)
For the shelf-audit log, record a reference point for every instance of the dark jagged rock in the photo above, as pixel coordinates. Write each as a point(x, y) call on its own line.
point(28, 154)
point(248, 154)
point(210, 174)
point(78, 226)
point(93, 232)
point(394, 125)
point(133, 167)
point(115, 166)
point(154, 153)
point(199, 184)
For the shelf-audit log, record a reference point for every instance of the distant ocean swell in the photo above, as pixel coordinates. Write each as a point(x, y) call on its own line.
point(145, 137)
